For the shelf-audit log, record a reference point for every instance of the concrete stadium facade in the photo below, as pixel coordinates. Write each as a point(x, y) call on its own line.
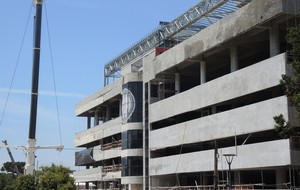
point(158, 125)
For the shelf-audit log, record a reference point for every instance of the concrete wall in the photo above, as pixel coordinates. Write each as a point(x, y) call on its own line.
point(99, 97)
point(99, 155)
point(132, 180)
point(238, 121)
point(106, 129)
point(132, 152)
point(239, 22)
point(93, 174)
point(266, 154)
point(251, 79)
point(131, 77)
point(132, 126)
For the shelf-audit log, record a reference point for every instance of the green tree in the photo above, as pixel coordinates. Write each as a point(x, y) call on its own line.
point(50, 178)
point(25, 182)
point(291, 84)
point(7, 181)
point(56, 178)
point(8, 166)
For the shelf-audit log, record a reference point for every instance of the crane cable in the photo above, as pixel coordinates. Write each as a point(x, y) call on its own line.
point(15, 68)
point(53, 74)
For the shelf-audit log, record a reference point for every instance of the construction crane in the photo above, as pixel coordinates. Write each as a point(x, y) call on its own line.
point(12, 158)
point(30, 162)
point(31, 147)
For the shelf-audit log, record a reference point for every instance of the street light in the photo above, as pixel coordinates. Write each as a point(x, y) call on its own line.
point(229, 158)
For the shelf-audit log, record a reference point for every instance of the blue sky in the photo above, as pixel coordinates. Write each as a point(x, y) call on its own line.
point(84, 35)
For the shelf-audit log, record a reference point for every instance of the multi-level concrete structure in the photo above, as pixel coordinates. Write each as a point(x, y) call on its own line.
point(157, 126)
point(114, 143)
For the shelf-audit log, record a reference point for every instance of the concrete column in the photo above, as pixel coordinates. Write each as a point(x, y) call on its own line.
point(280, 177)
point(274, 41)
point(96, 118)
point(214, 109)
point(202, 72)
point(177, 83)
point(234, 59)
point(108, 113)
point(236, 178)
point(88, 122)
point(205, 179)
point(120, 107)
point(87, 186)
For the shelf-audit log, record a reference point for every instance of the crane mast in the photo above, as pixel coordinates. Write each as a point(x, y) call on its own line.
point(30, 162)
point(31, 146)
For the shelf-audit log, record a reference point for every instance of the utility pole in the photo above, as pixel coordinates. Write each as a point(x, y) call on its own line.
point(30, 162)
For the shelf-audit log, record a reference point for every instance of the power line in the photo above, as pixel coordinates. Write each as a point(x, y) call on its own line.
point(16, 66)
point(53, 74)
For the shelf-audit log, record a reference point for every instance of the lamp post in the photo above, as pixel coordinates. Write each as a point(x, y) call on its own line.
point(229, 158)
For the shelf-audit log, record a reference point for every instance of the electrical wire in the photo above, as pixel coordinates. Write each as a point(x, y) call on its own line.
point(15, 68)
point(53, 74)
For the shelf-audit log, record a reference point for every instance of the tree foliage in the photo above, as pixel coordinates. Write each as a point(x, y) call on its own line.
point(6, 181)
point(291, 84)
point(283, 128)
point(8, 166)
point(25, 182)
point(54, 177)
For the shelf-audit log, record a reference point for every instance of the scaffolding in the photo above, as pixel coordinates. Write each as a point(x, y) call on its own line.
point(112, 145)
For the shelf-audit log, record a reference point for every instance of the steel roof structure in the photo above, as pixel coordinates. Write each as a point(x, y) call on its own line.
point(202, 15)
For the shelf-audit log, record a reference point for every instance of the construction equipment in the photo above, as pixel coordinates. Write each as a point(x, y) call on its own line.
point(31, 147)
point(12, 158)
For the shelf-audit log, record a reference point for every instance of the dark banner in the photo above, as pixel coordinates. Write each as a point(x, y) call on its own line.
point(84, 157)
point(132, 102)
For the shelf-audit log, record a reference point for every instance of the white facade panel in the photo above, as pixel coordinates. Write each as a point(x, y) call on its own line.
point(93, 174)
point(132, 180)
point(259, 76)
point(259, 155)
point(106, 129)
point(132, 152)
point(100, 97)
point(238, 121)
point(99, 155)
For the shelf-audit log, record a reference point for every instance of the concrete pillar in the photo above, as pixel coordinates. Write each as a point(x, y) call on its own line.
point(120, 107)
point(88, 122)
point(236, 178)
point(280, 177)
point(234, 59)
point(177, 83)
point(205, 179)
point(274, 41)
point(96, 118)
point(214, 109)
point(202, 72)
point(107, 113)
